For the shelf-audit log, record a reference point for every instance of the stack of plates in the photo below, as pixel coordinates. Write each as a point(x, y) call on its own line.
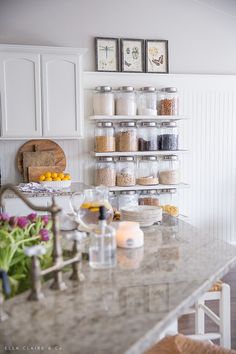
point(144, 214)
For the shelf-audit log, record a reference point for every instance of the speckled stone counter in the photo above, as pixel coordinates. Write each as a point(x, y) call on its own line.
point(122, 310)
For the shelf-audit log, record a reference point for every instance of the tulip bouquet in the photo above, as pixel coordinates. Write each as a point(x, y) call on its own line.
point(16, 233)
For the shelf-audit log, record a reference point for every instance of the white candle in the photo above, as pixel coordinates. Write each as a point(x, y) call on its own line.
point(129, 235)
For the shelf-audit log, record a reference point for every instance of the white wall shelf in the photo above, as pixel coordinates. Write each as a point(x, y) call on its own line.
point(142, 188)
point(138, 118)
point(139, 153)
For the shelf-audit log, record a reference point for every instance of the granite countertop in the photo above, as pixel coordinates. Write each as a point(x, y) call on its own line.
point(121, 310)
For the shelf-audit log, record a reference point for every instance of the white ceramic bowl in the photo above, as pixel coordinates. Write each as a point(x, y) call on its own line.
point(56, 184)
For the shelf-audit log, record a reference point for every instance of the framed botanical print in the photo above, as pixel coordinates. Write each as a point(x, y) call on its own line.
point(107, 54)
point(132, 55)
point(157, 60)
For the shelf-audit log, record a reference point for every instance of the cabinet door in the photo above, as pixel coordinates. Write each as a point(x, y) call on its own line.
point(20, 98)
point(16, 207)
point(62, 89)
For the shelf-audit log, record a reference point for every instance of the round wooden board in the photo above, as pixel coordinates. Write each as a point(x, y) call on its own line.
point(43, 145)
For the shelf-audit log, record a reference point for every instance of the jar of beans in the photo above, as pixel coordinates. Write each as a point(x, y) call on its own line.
point(168, 102)
point(126, 101)
point(169, 136)
point(169, 201)
point(147, 102)
point(148, 136)
point(148, 171)
point(127, 199)
point(105, 172)
point(169, 170)
point(125, 171)
point(126, 137)
point(105, 137)
point(149, 197)
point(103, 101)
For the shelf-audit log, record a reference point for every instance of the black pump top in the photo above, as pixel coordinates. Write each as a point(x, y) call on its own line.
point(102, 213)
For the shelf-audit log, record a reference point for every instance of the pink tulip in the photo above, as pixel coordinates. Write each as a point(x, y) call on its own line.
point(22, 222)
point(44, 233)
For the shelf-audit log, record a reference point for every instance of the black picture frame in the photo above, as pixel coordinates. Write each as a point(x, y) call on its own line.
point(104, 55)
point(128, 55)
point(156, 56)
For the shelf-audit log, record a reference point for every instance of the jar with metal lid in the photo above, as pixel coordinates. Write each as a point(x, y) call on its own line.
point(125, 171)
point(148, 136)
point(169, 201)
point(126, 101)
point(168, 101)
point(126, 137)
point(103, 101)
point(148, 171)
point(169, 170)
point(127, 199)
point(149, 197)
point(169, 136)
point(105, 137)
point(105, 172)
point(147, 101)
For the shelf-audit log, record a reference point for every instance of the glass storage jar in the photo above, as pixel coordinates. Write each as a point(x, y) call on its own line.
point(148, 171)
point(147, 102)
point(113, 200)
point(105, 172)
point(125, 171)
point(149, 197)
point(168, 101)
point(127, 199)
point(169, 201)
point(126, 101)
point(105, 137)
point(169, 136)
point(103, 101)
point(126, 137)
point(169, 170)
point(148, 136)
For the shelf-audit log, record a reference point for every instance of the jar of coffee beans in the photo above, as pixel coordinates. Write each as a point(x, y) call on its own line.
point(169, 136)
point(169, 170)
point(126, 137)
point(105, 172)
point(125, 171)
point(168, 102)
point(149, 197)
point(148, 136)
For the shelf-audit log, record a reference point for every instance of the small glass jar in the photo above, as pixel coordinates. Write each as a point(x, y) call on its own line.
point(169, 136)
point(126, 101)
point(126, 137)
point(113, 200)
point(127, 199)
point(169, 170)
point(147, 102)
point(148, 171)
point(105, 137)
point(103, 101)
point(148, 136)
point(169, 201)
point(105, 172)
point(125, 171)
point(168, 102)
point(149, 197)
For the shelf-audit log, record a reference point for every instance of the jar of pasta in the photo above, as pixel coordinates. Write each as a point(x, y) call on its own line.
point(169, 201)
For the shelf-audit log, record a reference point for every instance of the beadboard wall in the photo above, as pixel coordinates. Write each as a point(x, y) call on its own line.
point(210, 135)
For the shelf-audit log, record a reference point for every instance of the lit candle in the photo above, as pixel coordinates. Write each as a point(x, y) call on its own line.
point(129, 235)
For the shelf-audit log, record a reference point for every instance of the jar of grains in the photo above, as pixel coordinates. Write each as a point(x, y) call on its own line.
point(169, 170)
point(105, 172)
point(105, 137)
point(148, 171)
point(126, 101)
point(149, 197)
point(170, 136)
point(168, 102)
point(169, 201)
point(148, 136)
point(126, 137)
point(127, 199)
point(125, 171)
point(103, 101)
point(147, 102)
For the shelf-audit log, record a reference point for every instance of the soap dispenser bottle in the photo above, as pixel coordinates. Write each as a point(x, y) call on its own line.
point(102, 250)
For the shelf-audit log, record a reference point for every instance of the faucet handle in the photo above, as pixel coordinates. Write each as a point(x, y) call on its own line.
point(5, 282)
point(37, 251)
point(76, 236)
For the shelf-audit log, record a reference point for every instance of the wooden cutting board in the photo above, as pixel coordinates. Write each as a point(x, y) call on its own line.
point(37, 158)
point(42, 145)
point(35, 172)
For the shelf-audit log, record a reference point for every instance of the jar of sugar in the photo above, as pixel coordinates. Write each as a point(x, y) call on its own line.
point(147, 102)
point(126, 101)
point(103, 101)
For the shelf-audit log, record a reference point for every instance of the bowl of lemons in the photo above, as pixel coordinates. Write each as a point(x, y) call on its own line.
point(55, 180)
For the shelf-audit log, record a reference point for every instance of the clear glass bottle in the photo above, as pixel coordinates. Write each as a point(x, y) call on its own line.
point(147, 101)
point(127, 199)
point(148, 171)
point(127, 137)
point(125, 171)
point(168, 101)
point(148, 136)
point(170, 136)
point(105, 137)
point(169, 201)
point(169, 170)
point(113, 200)
point(105, 172)
point(126, 101)
point(149, 197)
point(102, 250)
point(103, 101)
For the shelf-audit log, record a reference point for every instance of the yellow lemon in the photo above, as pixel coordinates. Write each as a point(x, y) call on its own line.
point(54, 175)
point(58, 179)
point(48, 174)
point(42, 178)
point(48, 179)
point(61, 175)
